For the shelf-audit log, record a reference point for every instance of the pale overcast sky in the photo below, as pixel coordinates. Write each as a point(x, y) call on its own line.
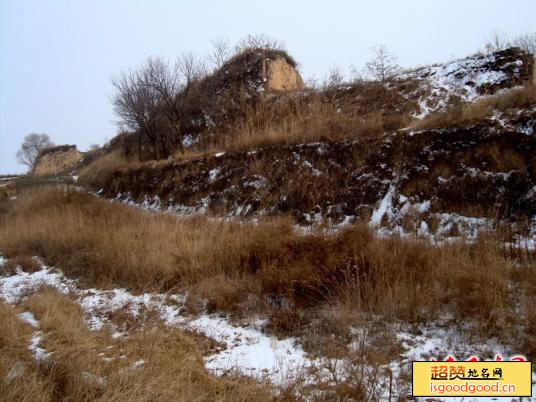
point(57, 56)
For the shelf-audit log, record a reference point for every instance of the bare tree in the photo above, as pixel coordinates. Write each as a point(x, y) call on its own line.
point(335, 78)
point(136, 102)
point(357, 74)
point(190, 68)
point(220, 53)
point(499, 41)
point(383, 65)
point(166, 81)
point(526, 42)
point(153, 100)
point(32, 145)
point(191, 96)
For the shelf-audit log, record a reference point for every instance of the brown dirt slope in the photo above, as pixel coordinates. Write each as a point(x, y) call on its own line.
point(484, 169)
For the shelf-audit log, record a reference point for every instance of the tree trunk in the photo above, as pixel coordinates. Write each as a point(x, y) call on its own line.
point(139, 145)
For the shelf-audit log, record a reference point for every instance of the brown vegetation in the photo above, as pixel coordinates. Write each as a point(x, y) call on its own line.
point(312, 286)
point(98, 172)
point(89, 365)
point(303, 119)
point(232, 263)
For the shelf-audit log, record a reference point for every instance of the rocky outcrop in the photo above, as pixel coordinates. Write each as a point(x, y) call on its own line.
point(57, 160)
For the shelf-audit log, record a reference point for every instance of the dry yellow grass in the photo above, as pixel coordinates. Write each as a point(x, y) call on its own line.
point(76, 369)
point(295, 120)
point(236, 265)
point(98, 172)
point(19, 376)
point(318, 285)
point(112, 244)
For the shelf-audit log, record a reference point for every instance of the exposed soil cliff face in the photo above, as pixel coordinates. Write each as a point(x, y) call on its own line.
point(482, 170)
point(57, 160)
point(281, 76)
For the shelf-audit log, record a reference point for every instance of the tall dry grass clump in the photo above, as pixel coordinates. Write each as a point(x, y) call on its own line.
point(112, 244)
point(297, 121)
point(99, 172)
point(237, 266)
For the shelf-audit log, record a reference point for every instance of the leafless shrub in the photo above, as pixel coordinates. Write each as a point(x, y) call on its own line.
point(190, 68)
point(526, 42)
point(166, 81)
point(220, 53)
point(499, 41)
point(496, 41)
point(334, 79)
point(383, 65)
point(153, 100)
point(260, 41)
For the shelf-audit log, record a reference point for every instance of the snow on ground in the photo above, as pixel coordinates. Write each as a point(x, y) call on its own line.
point(461, 78)
point(434, 341)
point(29, 318)
point(385, 207)
point(38, 352)
point(451, 227)
point(248, 349)
point(251, 351)
point(15, 287)
point(213, 174)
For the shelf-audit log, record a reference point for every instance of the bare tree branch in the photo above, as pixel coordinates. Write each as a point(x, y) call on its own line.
point(220, 53)
point(499, 41)
point(136, 102)
point(190, 69)
point(383, 64)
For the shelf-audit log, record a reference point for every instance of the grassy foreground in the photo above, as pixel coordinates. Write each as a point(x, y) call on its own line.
point(300, 282)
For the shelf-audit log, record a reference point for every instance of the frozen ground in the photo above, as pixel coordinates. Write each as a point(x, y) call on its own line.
point(247, 349)
point(461, 78)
